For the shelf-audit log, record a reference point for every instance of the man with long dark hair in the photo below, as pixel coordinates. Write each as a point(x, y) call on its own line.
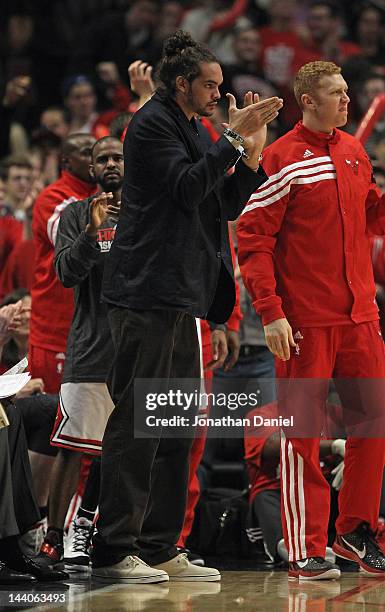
point(170, 262)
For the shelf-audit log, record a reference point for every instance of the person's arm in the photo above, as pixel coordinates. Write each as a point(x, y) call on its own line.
point(375, 201)
point(227, 19)
point(375, 211)
point(159, 146)
point(77, 249)
point(257, 231)
point(141, 83)
point(15, 90)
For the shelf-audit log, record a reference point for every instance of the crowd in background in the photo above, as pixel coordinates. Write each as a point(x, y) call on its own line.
point(64, 70)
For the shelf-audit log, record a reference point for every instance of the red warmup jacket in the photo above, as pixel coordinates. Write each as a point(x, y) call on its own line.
point(303, 237)
point(52, 304)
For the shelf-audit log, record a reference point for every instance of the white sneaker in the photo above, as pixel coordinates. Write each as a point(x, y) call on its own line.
point(77, 545)
point(180, 569)
point(30, 542)
point(130, 570)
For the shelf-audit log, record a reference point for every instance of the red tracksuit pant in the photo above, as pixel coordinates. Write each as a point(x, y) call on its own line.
point(353, 351)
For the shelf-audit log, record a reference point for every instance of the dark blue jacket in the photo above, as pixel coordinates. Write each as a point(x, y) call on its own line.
point(171, 248)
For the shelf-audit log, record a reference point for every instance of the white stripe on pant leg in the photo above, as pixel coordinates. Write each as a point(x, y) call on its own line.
point(301, 499)
point(293, 504)
point(284, 493)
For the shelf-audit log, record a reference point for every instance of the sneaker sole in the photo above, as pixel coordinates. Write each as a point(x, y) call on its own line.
point(57, 567)
point(126, 580)
point(76, 567)
point(209, 578)
point(351, 556)
point(331, 574)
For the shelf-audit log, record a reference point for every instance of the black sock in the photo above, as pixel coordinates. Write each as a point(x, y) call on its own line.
point(83, 513)
point(43, 512)
point(54, 536)
point(91, 491)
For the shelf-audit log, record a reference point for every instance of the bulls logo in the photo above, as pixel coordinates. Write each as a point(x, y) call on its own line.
point(353, 164)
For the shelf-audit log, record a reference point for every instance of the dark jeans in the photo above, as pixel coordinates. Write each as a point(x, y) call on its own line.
point(144, 480)
point(18, 509)
point(247, 372)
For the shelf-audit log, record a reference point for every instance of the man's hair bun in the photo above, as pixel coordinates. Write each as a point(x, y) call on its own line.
point(178, 42)
point(182, 56)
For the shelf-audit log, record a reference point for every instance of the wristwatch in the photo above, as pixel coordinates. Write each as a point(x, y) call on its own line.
point(234, 136)
point(236, 140)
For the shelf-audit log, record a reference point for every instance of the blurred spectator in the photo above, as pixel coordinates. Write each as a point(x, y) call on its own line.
point(80, 101)
point(281, 43)
point(16, 90)
point(17, 177)
point(119, 125)
point(170, 17)
point(111, 91)
point(45, 155)
point(119, 39)
point(52, 304)
point(16, 44)
point(54, 119)
point(16, 346)
point(369, 35)
point(371, 87)
point(246, 73)
point(325, 28)
point(18, 270)
point(213, 23)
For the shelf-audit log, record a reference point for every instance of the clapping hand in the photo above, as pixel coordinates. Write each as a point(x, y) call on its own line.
point(101, 207)
point(250, 122)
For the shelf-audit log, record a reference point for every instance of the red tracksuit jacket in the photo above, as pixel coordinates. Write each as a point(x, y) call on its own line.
point(303, 237)
point(52, 304)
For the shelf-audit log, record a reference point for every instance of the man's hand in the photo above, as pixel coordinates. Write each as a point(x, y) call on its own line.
point(234, 345)
point(141, 83)
point(220, 350)
point(35, 385)
point(15, 90)
point(338, 473)
point(250, 123)
point(101, 207)
point(254, 115)
point(279, 338)
point(7, 317)
point(338, 447)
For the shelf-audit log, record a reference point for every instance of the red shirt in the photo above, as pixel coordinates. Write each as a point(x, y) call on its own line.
point(52, 304)
point(303, 243)
point(11, 233)
point(19, 270)
point(280, 51)
point(310, 53)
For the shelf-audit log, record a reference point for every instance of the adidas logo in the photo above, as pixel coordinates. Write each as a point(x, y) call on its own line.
point(307, 153)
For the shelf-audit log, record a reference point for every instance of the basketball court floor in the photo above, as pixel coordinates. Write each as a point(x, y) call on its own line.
point(239, 591)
